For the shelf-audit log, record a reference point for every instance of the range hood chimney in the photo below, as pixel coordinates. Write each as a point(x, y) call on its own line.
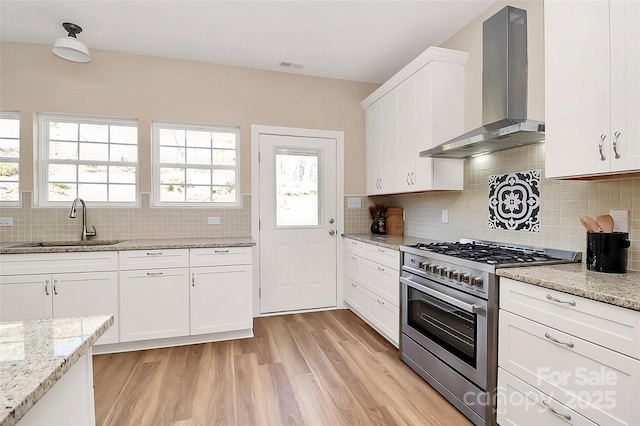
point(504, 92)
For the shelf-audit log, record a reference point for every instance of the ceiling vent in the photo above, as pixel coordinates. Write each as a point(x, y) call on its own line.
point(284, 64)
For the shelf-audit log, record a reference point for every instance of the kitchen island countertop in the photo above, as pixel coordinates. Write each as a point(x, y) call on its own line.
point(133, 244)
point(35, 354)
point(616, 289)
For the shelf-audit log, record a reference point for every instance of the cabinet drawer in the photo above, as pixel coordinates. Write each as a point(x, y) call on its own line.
point(148, 259)
point(595, 381)
point(385, 317)
point(385, 256)
point(220, 256)
point(51, 263)
point(521, 404)
point(610, 326)
point(355, 247)
point(355, 268)
point(384, 282)
point(356, 296)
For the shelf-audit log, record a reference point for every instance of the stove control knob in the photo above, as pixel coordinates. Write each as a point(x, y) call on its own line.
point(453, 274)
point(436, 269)
point(444, 272)
point(424, 265)
point(476, 281)
point(464, 277)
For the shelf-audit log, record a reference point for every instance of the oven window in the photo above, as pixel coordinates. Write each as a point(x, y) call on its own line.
point(452, 328)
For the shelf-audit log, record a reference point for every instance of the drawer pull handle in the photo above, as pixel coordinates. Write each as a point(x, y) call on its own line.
point(380, 269)
point(381, 250)
point(154, 274)
point(380, 301)
point(568, 302)
point(158, 253)
point(222, 251)
point(354, 258)
point(554, 340)
point(46, 287)
point(353, 285)
point(548, 407)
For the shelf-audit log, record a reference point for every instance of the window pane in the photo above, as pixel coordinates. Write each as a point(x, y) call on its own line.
point(296, 189)
point(171, 193)
point(198, 139)
point(224, 177)
point(9, 172)
point(124, 153)
point(122, 193)
point(122, 175)
point(94, 132)
point(88, 174)
point(94, 151)
point(9, 148)
point(223, 194)
point(223, 140)
point(62, 191)
point(9, 191)
point(198, 194)
point(168, 175)
point(63, 150)
point(198, 156)
point(92, 192)
point(172, 155)
point(224, 157)
point(172, 137)
point(124, 134)
point(62, 172)
point(9, 128)
point(199, 176)
point(63, 131)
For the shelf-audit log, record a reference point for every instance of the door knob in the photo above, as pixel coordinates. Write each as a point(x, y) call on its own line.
point(332, 232)
point(331, 220)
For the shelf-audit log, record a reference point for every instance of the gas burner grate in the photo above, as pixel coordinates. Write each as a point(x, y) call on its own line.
point(492, 254)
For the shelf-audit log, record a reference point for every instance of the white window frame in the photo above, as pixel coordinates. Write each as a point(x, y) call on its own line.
point(157, 125)
point(13, 115)
point(42, 190)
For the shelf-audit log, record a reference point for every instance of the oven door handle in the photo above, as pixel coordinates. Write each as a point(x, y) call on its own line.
point(472, 309)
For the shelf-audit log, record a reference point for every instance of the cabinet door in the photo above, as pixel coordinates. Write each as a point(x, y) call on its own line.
point(385, 317)
point(625, 85)
point(221, 299)
point(356, 296)
point(154, 304)
point(374, 147)
point(384, 282)
point(381, 137)
point(577, 88)
point(355, 268)
point(90, 293)
point(25, 297)
point(405, 151)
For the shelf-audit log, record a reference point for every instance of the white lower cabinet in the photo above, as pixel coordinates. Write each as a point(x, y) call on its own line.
point(584, 372)
point(154, 304)
point(372, 286)
point(220, 299)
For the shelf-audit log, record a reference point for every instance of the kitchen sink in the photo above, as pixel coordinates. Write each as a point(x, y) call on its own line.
point(67, 243)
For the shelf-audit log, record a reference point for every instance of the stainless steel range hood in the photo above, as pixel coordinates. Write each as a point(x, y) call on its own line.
point(504, 92)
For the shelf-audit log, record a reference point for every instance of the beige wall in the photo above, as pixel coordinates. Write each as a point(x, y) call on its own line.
point(148, 88)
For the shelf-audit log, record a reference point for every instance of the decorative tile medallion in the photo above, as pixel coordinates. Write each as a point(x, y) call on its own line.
point(514, 201)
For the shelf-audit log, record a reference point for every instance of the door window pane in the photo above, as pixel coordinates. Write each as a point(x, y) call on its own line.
point(297, 191)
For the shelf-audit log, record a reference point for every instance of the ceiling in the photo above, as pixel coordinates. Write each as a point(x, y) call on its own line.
point(353, 40)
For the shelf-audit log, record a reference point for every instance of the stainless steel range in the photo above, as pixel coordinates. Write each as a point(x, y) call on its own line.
point(450, 316)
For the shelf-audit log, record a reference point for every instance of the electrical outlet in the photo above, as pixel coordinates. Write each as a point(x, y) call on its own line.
point(620, 220)
point(6, 221)
point(445, 216)
point(213, 220)
point(354, 202)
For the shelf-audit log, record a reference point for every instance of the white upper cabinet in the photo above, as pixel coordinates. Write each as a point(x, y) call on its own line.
point(419, 107)
point(592, 95)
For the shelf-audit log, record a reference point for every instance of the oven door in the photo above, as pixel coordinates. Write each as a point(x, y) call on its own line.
point(449, 323)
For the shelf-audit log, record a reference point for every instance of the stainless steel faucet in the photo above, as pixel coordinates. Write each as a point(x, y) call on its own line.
point(72, 215)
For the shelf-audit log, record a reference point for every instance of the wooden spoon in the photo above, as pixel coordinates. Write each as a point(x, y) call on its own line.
point(589, 224)
point(605, 222)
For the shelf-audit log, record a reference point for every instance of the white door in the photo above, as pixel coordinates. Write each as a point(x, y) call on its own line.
point(298, 241)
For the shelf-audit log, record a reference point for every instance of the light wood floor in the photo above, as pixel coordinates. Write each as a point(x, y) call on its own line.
point(321, 368)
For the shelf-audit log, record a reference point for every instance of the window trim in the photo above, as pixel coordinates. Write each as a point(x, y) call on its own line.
point(43, 150)
point(15, 115)
point(156, 164)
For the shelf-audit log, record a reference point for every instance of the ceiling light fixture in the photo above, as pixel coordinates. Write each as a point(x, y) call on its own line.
point(69, 47)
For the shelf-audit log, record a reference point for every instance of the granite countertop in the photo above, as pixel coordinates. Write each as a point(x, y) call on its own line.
point(121, 245)
point(35, 354)
point(574, 278)
point(389, 241)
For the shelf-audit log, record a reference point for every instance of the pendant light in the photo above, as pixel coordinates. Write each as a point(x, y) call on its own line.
point(69, 47)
